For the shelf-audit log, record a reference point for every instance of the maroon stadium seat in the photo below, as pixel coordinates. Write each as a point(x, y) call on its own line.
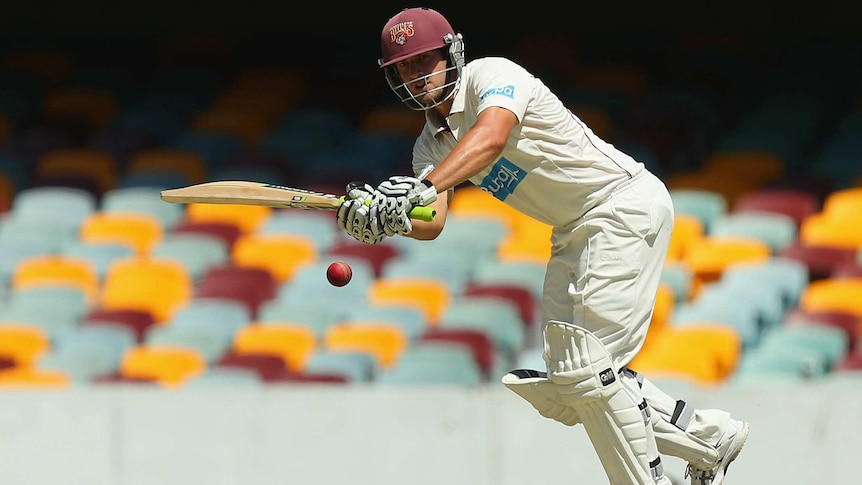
point(137, 320)
point(250, 286)
point(521, 296)
point(227, 233)
point(796, 204)
point(478, 342)
point(820, 260)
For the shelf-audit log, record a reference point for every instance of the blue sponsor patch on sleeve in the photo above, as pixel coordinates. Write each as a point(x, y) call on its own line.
point(507, 91)
point(503, 179)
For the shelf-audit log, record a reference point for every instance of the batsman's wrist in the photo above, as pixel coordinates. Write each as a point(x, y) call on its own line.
point(426, 194)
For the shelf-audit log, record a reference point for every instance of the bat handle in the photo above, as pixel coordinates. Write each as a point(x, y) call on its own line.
point(420, 213)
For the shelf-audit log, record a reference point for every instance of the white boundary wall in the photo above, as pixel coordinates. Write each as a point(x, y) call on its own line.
point(801, 435)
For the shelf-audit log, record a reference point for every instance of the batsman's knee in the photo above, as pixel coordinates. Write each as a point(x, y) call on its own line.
point(578, 363)
point(541, 393)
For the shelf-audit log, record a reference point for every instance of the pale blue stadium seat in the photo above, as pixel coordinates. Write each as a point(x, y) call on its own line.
point(14, 251)
point(319, 315)
point(63, 206)
point(54, 237)
point(53, 320)
point(215, 148)
point(500, 320)
point(226, 315)
point(309, 284)
point(433, 363)
point(770, 365)
point(64, 299)
point(408, 318)
point(743, 318)
point(790, 275)
point(225, 377)
point(320, 228)
point(89, 352)
point(448, 269)
point(832, 343)
point(704, 205)
point(526, 274)
point(356, 367)
point(197, 252)
point(776, 230)
point(680, 279)
point(765, 299)
point(472, 237)
point(100, 255)
point(212, 341)
point(144, 200)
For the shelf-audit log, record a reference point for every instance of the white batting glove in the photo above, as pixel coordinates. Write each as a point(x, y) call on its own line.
point(360, 221)
point(359, 190)
point(397, 196)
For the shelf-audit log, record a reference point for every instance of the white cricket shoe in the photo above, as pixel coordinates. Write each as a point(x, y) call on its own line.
point(728, 449)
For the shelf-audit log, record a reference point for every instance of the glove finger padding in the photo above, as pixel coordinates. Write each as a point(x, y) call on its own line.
point(393, 212)
point(360, 221)
point(359, 190)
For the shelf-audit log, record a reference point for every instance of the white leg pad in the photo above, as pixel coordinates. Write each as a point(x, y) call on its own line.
point(536, 389)
point(587, 381)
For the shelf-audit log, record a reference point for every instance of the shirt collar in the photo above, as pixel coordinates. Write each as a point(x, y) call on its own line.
point(433, 116)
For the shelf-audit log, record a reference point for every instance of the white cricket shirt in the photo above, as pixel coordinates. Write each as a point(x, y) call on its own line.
point(554, 168)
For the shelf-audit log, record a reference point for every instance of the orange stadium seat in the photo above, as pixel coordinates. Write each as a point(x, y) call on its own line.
point(248, 218)
point(280, 254)
point(757, 168)
point(527, 240)
point(687, 229)
point(705, 353)
point(156, 286)
point(95, 107)
point(729, 186)
point(843, 204)
point(250, 126)
point(170, 366)
point(291, 342)
point(384, 341)
point(709, 256)
point(23, 344)
point(94, 166)
point(665, 301)
point(470, 200)
point(138, 231)
point(833, 294)
point(55, 269)
point(266, 104)
point(428, 295)
point(392, 119)
point(288, 84)
point(183, 162)
point(824, 229)
point(33, 378)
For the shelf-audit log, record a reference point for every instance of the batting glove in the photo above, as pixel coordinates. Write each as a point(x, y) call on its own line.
point(397, 196)
point(362, 222)
point(359, 190)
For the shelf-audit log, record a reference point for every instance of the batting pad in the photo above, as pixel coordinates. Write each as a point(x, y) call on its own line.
point(536, 389)
point(587, 381)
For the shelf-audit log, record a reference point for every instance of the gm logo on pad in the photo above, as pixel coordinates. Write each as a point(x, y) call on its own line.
point(503, 179)
point(607, 376)
point(507, 91)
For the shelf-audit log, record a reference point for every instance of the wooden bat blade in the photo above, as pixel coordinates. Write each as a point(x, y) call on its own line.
point(243, 192)
point(251, 193)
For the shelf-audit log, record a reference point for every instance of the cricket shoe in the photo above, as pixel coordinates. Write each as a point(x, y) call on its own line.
point(728, 449)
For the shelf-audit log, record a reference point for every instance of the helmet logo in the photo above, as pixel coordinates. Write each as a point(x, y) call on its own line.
point(401, 31)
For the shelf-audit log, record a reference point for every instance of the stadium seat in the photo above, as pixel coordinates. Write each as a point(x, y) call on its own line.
point(249, 126)
point(788, 275)
point(142, 200)
point(190, 165)
point(843, 203)
point(841, 295)
point(99, 255)
point(769, 365)
point(428, 295)
point(705, 205)
point(292, 343)
point(139, 231)
point(831, 342)
point(384, 341)
point(97, 168)
point(354, 366)
point(472, 201)
point(521, 297)
point(377, 255)
point(392, 119)
point(501, 321)
point(743, 319)
point(167, 365)
point(707, 353)
point(33, 378)
point(847, 322)
point(796, 204)
point(248, 218)
point(226, 377)
point(91, 107)
point(450, 271)
point(23, 344)
point(409, 318)
point(679, 279)
point(57, 270)
point(212, 342)
point(138, 321)
point(227, 233)
point(316, 315)
point(821, 261)
point(776, 230)
point(766, 300)
point(320, 228)
point(152, 180)
point(63, 206)
point(90, 352)
point(687, 229)
point(65, 300)
point(55, 320)
point(229, 315)
point(267, 367)
point(710, 256)
point(480, 344)
point(250, 286)
point(529, 275)
point(822, 229)
point(197, 252)
point(433, 363)
point(7, 193)
point(756, 167)
point(662, 311)
point(55, 237)
point(215, 148)
point(151, 285)
point(281, 255)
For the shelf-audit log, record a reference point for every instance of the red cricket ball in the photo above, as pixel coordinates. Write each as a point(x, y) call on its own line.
point(339, 273)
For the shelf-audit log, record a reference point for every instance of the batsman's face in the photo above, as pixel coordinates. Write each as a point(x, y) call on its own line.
point(425, 75)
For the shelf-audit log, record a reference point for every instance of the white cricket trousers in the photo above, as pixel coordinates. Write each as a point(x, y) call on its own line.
point(603, 275)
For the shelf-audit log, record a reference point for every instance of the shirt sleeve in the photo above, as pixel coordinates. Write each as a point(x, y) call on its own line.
point(502, 83)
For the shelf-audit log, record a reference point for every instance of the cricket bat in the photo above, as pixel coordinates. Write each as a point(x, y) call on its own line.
point(257, 193)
